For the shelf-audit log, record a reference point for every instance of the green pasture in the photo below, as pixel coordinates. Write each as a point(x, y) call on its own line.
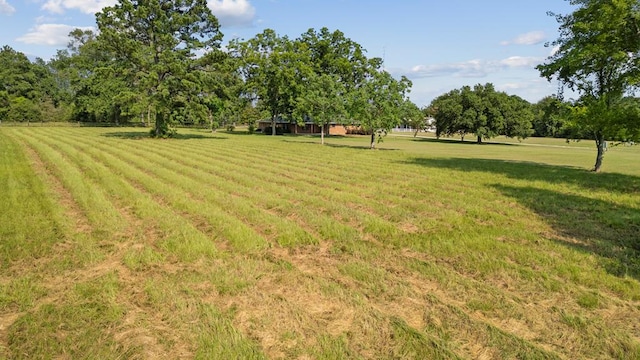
point(238, 246)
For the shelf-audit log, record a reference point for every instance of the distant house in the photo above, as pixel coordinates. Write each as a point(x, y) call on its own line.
point(308, 127)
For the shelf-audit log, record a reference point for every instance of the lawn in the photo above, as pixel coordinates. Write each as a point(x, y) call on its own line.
point(237, 246)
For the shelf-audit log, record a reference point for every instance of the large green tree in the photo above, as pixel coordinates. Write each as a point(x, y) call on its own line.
point(447, 112)
point(517, 114)
point(550, 117)
point(274, 68)
point(161, 47)
point(24, 86)
point(598, 56)
point(17, 75)
point(482, 111)
point(339, 66)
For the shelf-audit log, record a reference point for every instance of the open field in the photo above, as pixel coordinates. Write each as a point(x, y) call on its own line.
point(233, 246)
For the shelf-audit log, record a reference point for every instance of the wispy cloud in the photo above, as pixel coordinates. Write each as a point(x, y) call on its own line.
point(6, 8)
point(520, 61)
point(530, 38)
point(472, 68)
point(49, 34)
point(233, 13)
point(85, 6)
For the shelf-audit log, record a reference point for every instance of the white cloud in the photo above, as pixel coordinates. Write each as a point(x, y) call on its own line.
point(530, 38)
point(472, 68)
point(6, 8)
point(233, 13)
point(512, 86)
point(49, 34)
point(520, 61)
point(85, 6)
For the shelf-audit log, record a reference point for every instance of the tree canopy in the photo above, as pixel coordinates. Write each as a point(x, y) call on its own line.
point(550, 117)
point(481, 111)
point(274, 68)
point(25, 87)
point(378, 101)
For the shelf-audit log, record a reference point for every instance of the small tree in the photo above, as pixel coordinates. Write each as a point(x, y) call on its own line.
point(322, 99)
point(377, 103)
point(414, 117)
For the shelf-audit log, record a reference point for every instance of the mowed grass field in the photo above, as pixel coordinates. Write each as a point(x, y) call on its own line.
point(236, 246)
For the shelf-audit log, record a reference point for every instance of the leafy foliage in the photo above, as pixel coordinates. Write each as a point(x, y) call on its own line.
point(322, 100)
point(24, 86)
point(416, 118)
point(481, 111)
point(274, 68)
point(550, 117)
point(378, 101)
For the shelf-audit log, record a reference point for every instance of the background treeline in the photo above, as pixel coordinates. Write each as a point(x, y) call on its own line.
point(162, 64)
point(72, 86)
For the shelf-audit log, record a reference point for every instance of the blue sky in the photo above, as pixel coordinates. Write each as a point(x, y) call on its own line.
point(439, 45)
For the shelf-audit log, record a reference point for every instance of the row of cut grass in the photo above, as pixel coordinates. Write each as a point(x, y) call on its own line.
point(426, 258)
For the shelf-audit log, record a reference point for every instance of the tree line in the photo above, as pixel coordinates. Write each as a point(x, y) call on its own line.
point(161, 63)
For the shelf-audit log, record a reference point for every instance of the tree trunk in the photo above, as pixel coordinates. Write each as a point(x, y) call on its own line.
point(322, 135)
point(116, 115)
point(159, 124)
point(273, 126)
point(479, 141)
point(415, 134)
point(600, 143)
point(373, 140)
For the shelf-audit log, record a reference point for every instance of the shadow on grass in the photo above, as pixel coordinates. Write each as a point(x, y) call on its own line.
point(607, 229)
point(532, 171)
point(460, 142)
point(138, 135)
point(316, 141)
point(362, 147)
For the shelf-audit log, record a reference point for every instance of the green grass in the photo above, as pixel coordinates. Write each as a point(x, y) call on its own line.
point(30, 222)
point(234, 246)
